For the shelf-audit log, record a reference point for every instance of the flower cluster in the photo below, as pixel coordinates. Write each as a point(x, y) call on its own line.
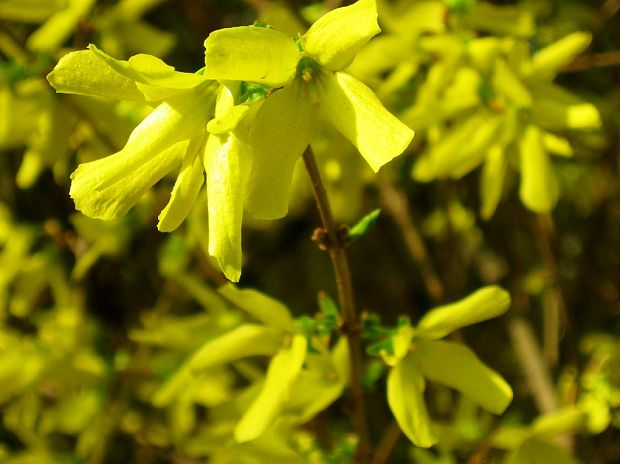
point(244, 120)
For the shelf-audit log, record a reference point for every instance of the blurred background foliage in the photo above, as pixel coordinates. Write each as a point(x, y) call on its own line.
point(97, 319)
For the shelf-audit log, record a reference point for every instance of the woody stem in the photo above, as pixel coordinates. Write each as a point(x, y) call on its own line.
point(350, 320)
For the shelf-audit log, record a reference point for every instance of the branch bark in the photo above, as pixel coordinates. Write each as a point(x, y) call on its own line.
point(334, 244)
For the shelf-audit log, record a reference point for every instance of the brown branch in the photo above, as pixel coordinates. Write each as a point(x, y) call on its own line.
point(350, 320)
point(387, 443)
point(532, 364)
point(554, 306)
point(595, 60)
point(395, 202)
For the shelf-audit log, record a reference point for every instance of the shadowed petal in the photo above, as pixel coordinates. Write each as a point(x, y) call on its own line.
point(185, 191)
point(280, 133)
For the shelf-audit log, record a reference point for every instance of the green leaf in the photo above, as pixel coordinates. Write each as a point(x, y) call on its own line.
point(362, 226)
point(244, 341)
point(327, 305)
point(270, 312)
point(253, 54)
point(486, 303)
point(282, 373)
point(83, 73)
point(538, 190)
point(356, 112)
point(227, 160)
point(336, 37)
point(456, 366)
point(185, 190)
point(405, 393)
point(280, 133)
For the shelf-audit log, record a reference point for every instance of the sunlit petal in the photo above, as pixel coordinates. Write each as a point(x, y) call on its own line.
point(118, 196)
point(249, 53)
point(280, 133)
point(353, 109)
point(83, 73)
point(227, 160)
point(336, 37)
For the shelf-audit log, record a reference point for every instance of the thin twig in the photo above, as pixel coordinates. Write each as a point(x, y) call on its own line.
point(386, 445)
point(594, 60)
point(532, 364)
point(554, 307)
point(395, 202)
point(350, 321)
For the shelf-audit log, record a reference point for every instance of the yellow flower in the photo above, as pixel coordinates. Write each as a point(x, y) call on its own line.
point(309, 82)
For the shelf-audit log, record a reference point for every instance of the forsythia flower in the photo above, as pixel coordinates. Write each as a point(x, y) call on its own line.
point(249, 149)
point(312, 84)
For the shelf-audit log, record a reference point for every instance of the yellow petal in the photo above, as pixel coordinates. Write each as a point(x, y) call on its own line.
point(249, 53)
point(51, 35)
point(185, 190)
point(177, 119)
point(539, 186)
point(83, 73)
point(336, 37)
point(155, 79)
point(353, 109)
point(227, 160)
point(492, 180)
point(551, 59)
point(405, 392)
point(279, 135)
point(458, 367)
point(283, 370)
point(116, 198)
